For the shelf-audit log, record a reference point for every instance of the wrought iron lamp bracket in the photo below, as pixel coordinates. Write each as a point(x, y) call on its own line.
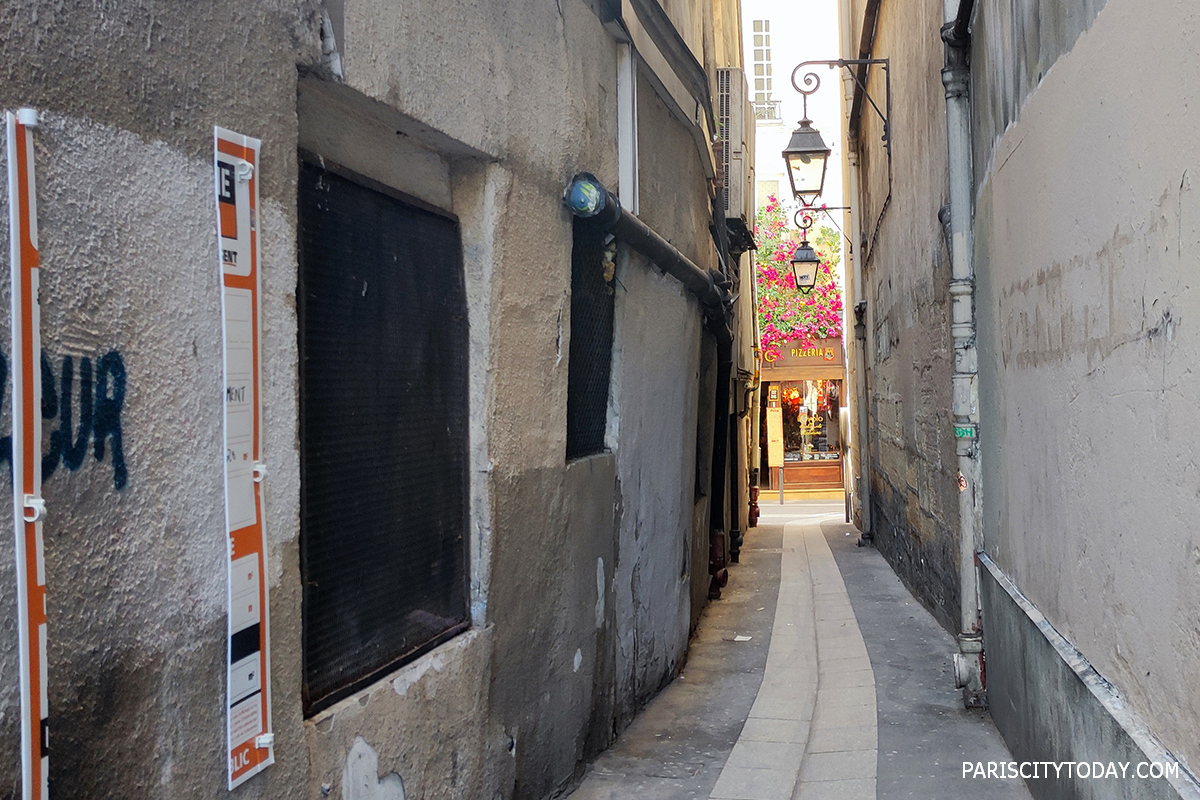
point(812, 82)
point(806, 215)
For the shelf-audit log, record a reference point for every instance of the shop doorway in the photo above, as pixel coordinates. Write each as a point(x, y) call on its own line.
point(806, 414)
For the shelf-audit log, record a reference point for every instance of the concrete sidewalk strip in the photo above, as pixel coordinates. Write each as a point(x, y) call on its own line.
point(848, 678)
point(740, 783)
point(781, 707)
point(848, 696)
point(818, 690)
point(841, 665)
point(764, 755)
point(838, 765)
point(761, 729)
point(821, 703)
point(832, 611)
point(830, 739)
point(837, 790)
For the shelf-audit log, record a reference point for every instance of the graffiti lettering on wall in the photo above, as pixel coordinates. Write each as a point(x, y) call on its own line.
point(97, 407)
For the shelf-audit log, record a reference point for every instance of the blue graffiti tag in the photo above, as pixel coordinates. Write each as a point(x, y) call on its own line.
point(101, 400)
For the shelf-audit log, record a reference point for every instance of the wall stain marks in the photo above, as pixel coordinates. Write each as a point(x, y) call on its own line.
point(360, 778)
point(600, 590)
point(1086, 306)
point(1185, 186)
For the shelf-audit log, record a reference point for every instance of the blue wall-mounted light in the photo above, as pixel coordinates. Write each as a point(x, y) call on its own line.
point(585, 195)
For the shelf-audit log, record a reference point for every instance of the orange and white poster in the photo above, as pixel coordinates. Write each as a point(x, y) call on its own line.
point(28, 505)
point(248, 721)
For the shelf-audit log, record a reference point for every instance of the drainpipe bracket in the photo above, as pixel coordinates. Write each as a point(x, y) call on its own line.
point(956, 77)
point(962, 287)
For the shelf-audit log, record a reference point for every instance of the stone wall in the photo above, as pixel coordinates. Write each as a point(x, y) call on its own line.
point(906, 272)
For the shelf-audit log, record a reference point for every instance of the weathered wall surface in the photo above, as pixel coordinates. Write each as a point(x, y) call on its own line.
point(656, 399)
point(135, 553)
point(658, 366)
point(134, 544)
point(906, 273)
point(1087, 237)
point(1014, 46)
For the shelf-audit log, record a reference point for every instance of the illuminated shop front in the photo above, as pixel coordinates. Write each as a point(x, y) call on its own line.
point(803, 406)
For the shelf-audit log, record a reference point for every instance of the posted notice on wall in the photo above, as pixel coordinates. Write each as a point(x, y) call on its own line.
point(27, 455)
point(248, 720)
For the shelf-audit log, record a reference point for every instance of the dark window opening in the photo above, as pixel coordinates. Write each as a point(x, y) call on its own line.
point(383, 430)
point(590, 347)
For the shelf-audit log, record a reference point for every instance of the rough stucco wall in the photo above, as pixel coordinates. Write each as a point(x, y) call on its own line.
point(671, 181)
point(136, 574)
point(137, 605)
point(553, 690)
point(1088, 232)
point(656, 384)
point(468, 757)
point(906, 274)
point(1024, 670)
point(551, 533)
point(162, 73)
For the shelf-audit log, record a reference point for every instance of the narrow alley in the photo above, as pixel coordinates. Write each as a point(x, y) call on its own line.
point(819, 677)
point(603, 399)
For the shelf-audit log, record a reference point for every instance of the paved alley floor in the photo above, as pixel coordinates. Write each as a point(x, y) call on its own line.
point(817, 676)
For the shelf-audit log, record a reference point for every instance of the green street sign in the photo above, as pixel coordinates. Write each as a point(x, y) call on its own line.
point(964, 432)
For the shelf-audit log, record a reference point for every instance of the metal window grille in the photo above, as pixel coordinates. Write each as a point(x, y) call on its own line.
point(383, 431)
point(589, 361)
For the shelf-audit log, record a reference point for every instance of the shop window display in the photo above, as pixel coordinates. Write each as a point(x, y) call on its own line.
point(810, 420)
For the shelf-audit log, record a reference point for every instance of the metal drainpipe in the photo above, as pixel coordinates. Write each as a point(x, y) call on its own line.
point(862, 440)
point(956, 77)
point(718, 544)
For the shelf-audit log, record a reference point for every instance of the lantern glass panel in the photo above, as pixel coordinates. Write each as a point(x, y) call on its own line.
point(807, 171)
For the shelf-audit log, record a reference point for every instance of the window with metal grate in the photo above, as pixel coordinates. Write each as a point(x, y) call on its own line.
point(590, 347)
point(383, 430)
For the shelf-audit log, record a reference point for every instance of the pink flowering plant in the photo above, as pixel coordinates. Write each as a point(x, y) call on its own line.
point(784, 314)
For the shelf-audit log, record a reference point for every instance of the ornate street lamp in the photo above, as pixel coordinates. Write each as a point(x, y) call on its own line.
point(805, 264)
point(807, 157)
